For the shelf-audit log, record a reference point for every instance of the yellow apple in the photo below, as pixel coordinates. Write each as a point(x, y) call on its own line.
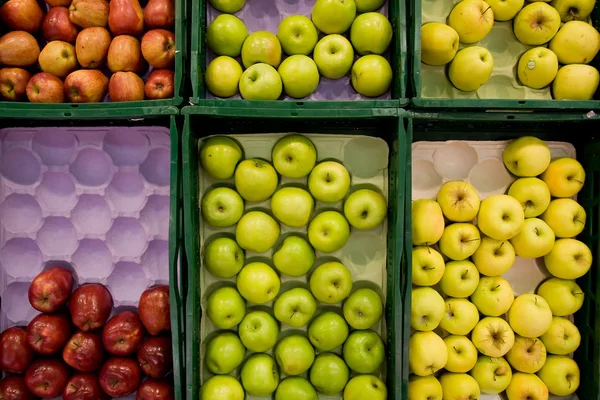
point(536, 24)
point(459, 201)
point(564, 176)
point(574, 10)
point(427, 353)
point(526, 156)
point(460, 317)
point(462, 354)
point(575, 82)
point(472, 20)
point(427, 266)
point(569, 259)
point(471, 68)
point(500, 217)
point(527, 355)
point(460, 279)
point(493, 374)
point(493, 337)
point(459, 241)
point(576, 42)
point(439, 43)
point(530, 315)
point(459, 386)
point(560, 374)
point(424, 388)
point(566, 217)
point(505, 10)
point(532, 193)
point(537, 67)
point(526, 386)
point(493, 296)
point(493, 257)
point(427, 222)
point(535, 240)
point(563, 337)
point(427, 309)
point(564, 297)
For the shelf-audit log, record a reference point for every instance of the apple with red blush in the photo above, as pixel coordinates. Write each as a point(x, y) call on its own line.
point(160, 84)
point(155, 389)
point(83, 387)
point(14, 388)
point(154, 309)
point(84, 351)
point(90, 306)
point(15, 353)
point(13, 83)
point(45, 88)
point(58, 26)
point(48, 333)
point(123, 334)
point(158, 48)
point(47, 377)
point(50, 290)
point(120, 376)
point(155, 356)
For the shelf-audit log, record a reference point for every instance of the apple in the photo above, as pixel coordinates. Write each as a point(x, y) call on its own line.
point(427, 353)
point(228, 6)
point(371, 33)
point(536, 24)
point(328, 331)
point(530, 315)
point(300, 76)
point(219, 156)
point(222, 207)
point(15, 354)
point(223, 386)
point(261, 47)
point(45, 88)
point(329, 182)
point(258, 331)
point(13, 83)
point(225, 35)
point(154, 309)
point(155, 356)
point(295, 387)
point(125, 54)
point(564, 176)
point(472, 20)
point(427, 266)
point(493, 257)
point(294, 257)
point(457, 386)
point(535, 239)
point(223, 257)
point(58, 3)
point(365, 209)
point(365, 387)
point(125, 86)
point(224, 353)
point(566, 217)
point(526, 156)
point(537, 67)
point(259, 375)
point(527, 355)
point(329, 374)
point(363, 308)
point(260, 82)
point(460, 279)
point(500, 217)
point(568, 259)
point(158, 48)
point(86, 86)
point(533, 194)
point(459, 201)
point(89, 13)
point(90, 306)
point(120, 376)
point(331, 282)
point(493, 374)
point(123, 333)
point(371, 75)
point(292, 206)
point(427, 222)
point(561, 375)
point(460, 317)
point(18, 49)
point(160, 84)
point(294, 156)
point(493, 337)
point(459, 241)
point(258, 283)
point(58, 26)
point(424, 388)
point(22, 15)
point(427, 309)
point(14, 388)
point(570, 10)
point(256, 232)
point(48, 333)
point(505, 10)
point(471, 67)
point(295, 307)
point(364, 351)
point(156, 389)
point(84, 351)
point(563, 337)
point(126, 17)
point(297, 35)
point(328, 232)
point(523, 386)
point(439, 43)
point(363, 6)
point(334, 56)
point(159, 14)
point(333, 16)
point(83, 387)
point(222, 76)
point(564, 297)
point(294, 355)
point(462, 354)
point(92, 46)
point(225, 307)
point(47, 377)
point(576, 42)
point(493, 297)
point(58, 58)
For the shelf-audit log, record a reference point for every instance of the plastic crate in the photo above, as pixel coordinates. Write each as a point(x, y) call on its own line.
point(200, 56)
point(200, 122)
point(506, 102)
point(582, 133)
point(96, 197)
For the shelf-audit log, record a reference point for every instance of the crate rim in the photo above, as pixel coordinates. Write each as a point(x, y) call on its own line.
point(71, 113)
point(296, 113)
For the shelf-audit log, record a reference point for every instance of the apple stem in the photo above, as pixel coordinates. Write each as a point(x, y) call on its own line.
point(498, 249)
point(581, 222)
point(581, 183)
point(470, 240)
point(496, 287)
point(577, 293)
point(486, 10)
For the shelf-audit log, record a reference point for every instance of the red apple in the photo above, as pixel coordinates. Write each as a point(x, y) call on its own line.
point(123, 333)
point(84, 351)
point(13, 83)
point(22, 15)
point(47, 377)
point(125, 54)
point(45, 88)
point(159, 14)
point(90, 304)
point(58, 26)
point(158, 48)
point(120, 376)
point(159, 84)
point(92, 47)
point(154, 309)
point(14, 388)
point(125, 86)
point(89, 13)
point(48, 333)
point(86, 86)
point(83, 387)
point(153, 389)
point(155, 356)
point(15, 353)
point(19, 49)
point(50, 290)
point(126, 17)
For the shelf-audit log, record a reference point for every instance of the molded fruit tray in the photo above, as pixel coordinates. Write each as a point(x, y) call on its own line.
point(461, 146)
point(369, 149)
point(266, 15)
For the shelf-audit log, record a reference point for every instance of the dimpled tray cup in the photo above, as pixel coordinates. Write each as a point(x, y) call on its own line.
point(94, 200)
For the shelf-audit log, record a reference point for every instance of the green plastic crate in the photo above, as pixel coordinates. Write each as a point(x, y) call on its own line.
point(582, 133)
point(200, 122)
point(398, 58)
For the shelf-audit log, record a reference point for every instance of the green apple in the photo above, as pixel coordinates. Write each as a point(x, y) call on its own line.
point(427, 266)
point(294, 156)
point(568, 259)
point(294, 355)
point(566, 217)
point(371, 75)
point(261, 82)
point(439, 43)
point(295, 307)
point(576, 42)
point(530, 316)
point(223, 76)
point(371, 33)
point(258, 331)
point(505, 10)
point(533, 194)
point(363, 308)
point(575, 82)
point(224, 353)
point(493, 374)
point(365, 387)
point(225, 35)
point(222, 387)
point(459, 201)
point(564, 297)
point(255, 179)
point(297, 388)
point(493, 337)
point(219, 156)
point(363, 6)
point(573, 10)
point(493, 257)
point(424, 388)
point(462, 354)
point(328, 232)
point(333, 16)
point(328, 331)
point(292, 206)
point(365, 209)
point(500, 217)
point(526, 156)
point(258, 283)
point(527, 355)
point(427, 353)
point(563, 337)
point(334, 56)
point(295, 257)
point(471, 68)
point(427, 222)
point(564, 176)
point(261, 47)
point(329, 374)
point(537, 67)
point(493, 297)
point(297, 35)
point(222, 207)
point(228, 6)
point(256, 231)
point(460, 279)
point(523, 386)
point(536, 24)
point(300, 76)
point(460, 317)
point(459, 241)
point(472, 20)
point(426, 309)
point(535, 239)
point(223, 258)
point(329, 181)
point(364, 351)
point(259, 375)
point(225, 307)
point(561, 375)
point(331, 282)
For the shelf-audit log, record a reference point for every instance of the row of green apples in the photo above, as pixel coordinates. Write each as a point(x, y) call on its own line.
point(493, 342)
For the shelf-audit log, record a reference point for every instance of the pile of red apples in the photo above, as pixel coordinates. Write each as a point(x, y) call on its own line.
point(72, 349)
point(89, 48)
